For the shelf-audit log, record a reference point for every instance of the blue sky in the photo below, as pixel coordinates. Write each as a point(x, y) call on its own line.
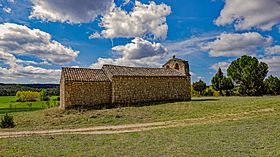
point(38, 37)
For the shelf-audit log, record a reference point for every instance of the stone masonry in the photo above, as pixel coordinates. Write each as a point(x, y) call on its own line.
point(125, 85)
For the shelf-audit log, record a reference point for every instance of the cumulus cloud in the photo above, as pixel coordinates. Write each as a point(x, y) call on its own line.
point(21, 40)
point(17, 40)
point(274, 50)
point(7, 10)
point(140, 48)
point(69, 11)
point(138, 53)
point(21, 70)
point(95, 35)
point(246, 14)
point(145, 20)
point(188, 46)
point(222, 65)
point(234, 44)
point(28, 74)
point(274, 64)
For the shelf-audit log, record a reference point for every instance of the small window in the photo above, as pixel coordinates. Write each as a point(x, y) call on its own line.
point(167, 67)
point(177, 66)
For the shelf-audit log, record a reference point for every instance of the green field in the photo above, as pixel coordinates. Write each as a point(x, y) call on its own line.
point(227, 126)
point(8, 104)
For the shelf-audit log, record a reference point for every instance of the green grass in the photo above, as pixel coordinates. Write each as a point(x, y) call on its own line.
point(257, 136)
point(199, 107)
point(254, 135)
point(8, 104)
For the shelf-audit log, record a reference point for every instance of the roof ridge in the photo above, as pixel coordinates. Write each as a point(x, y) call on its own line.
point(79, 68)
point(132, 67)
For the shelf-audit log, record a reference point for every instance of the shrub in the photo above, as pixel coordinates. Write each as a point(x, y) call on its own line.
point(48, 104)
point(29, 105)
point(7, 122)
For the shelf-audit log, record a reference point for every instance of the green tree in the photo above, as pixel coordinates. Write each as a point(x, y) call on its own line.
point(23, 96)
point(43, 95)
point(199, 86)
point(249, 74)
point(272, 85)
point(220, 83)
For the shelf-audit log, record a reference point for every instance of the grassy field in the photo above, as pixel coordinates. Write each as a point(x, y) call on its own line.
point(8, 104)
point(254, 134)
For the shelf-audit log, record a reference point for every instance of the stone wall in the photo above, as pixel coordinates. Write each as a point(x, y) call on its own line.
point(86, 93)
point(62, 91)
point(146, 89)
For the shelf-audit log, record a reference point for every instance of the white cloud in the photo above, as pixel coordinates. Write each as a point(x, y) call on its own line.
point(140, 48)
point(138, 53)
point(234, 44)
point(273, 50)
point(222, 65)
point(274, 64)
point(188, 46)
point(19, 70)
point(246, 14)
point(21, 40)
point(125, 2)
point(94, 35)
point(11, 1)
point(28, 74)
point(70, 11)
point(17, 40)
point(7, 10)
point(145, 20)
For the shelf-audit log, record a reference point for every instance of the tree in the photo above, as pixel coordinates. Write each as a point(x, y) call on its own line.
point(199, 86)
point(227, 85)
point(43, 95)
point(23, 96)
point(272, 85)
point(220, 82)
point(249, 74)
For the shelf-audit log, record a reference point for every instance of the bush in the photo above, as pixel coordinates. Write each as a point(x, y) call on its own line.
point(7, 121)
point(29, 105)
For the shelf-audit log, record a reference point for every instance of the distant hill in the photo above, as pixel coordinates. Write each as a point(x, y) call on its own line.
point(11, 89)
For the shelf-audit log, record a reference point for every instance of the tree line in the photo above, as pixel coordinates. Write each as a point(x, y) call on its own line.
point(246, 76)
point(12, 89)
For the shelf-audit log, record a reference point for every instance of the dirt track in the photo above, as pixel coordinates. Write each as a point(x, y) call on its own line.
point(140, 127)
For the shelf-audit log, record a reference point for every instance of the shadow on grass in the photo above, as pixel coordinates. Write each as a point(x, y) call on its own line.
point(120, 105)
point(209, 99)
point(8, 110)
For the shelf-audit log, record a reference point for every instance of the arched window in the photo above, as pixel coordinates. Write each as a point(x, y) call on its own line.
point(167, 66)
point(177, 66)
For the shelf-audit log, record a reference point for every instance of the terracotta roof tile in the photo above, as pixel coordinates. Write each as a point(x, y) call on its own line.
point(112, 70)
point(84, 75)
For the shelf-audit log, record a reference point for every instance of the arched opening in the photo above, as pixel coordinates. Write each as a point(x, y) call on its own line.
point(167, 67)
point(177, 66)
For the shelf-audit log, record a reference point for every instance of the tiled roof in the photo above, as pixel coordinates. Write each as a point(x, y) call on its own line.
point(112, 70)
point(84, 75)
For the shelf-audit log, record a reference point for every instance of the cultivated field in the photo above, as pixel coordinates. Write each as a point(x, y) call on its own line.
point(228, 126)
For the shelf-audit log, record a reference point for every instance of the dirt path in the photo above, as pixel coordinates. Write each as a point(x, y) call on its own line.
point(140, 127)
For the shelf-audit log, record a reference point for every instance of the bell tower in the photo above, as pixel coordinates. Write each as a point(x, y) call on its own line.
point(178, 64)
